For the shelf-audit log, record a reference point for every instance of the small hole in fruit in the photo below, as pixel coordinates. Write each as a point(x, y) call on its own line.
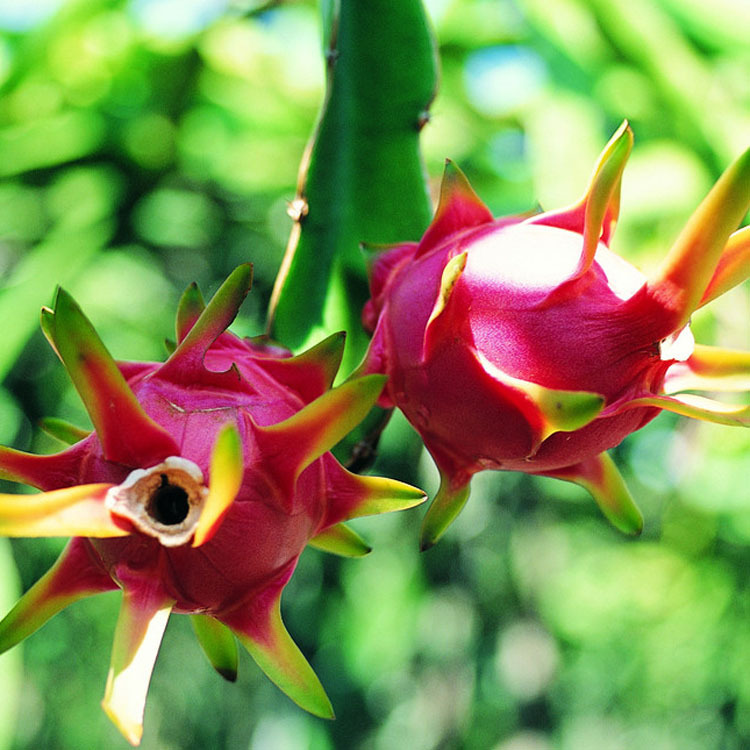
point(169, 504)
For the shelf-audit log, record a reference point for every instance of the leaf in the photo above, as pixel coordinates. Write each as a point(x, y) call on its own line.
point(342, 540)
point(353, 495)
point(292, 445)
point(459, 208)
point(556, 410)
point(710, 368)
point(225, 478)
point(687, 271)
point(219, 645)
point(199, 326)
point(144, 613)
point(696, 407)
point(71, 511)
point(261, 631)
point(11, 667)
point(312, 372)
point(64, 431)
point(733, 266)
point(188, 311)
point(601, 478)
point(109, 401)
point(446, 506)
point(73, 577)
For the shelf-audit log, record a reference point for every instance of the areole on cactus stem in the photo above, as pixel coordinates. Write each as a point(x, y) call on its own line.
point(524, 343)
point(203, 480)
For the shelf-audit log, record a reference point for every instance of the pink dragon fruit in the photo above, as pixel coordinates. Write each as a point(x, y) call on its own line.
point(202, 482)
point(525, 344)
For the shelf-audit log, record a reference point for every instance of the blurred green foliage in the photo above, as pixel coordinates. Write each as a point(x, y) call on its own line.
point(147, 144)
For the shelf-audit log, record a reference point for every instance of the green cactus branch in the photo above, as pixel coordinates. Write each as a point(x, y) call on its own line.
point(361, 179)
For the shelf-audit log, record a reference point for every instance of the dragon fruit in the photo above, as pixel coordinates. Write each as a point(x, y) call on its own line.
point(524, 343)
point(204, 478)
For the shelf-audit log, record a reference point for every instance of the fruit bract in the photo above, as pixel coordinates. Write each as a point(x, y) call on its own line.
point(524, 343)
point(203, 480)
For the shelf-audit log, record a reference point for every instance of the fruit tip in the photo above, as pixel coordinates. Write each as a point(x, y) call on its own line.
point(425, 544)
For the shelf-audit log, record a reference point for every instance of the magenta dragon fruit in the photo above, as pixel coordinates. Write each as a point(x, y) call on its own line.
point(526, 344)
point(202, 482)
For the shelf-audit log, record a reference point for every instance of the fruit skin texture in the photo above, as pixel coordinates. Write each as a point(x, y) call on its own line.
point(524, 343)
point(204, 479)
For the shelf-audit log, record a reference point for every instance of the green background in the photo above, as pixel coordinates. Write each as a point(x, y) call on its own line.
point(144, 145)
